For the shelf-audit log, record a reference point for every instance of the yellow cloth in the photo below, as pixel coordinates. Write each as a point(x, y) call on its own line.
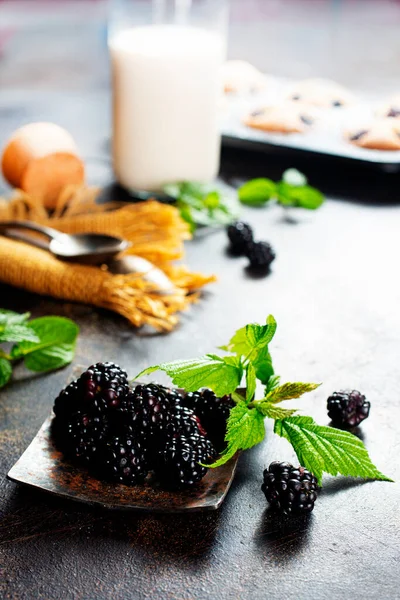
point(155, 230)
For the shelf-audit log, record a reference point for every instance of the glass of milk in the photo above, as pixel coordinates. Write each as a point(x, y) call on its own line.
point(166, 57)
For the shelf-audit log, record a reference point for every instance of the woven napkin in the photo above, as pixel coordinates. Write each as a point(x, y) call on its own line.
point(155, 230)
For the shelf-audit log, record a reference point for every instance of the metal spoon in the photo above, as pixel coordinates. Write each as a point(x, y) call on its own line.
point(89, 248)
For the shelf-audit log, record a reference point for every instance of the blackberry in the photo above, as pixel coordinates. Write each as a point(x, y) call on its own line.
point(213, 413)
point(84, 434)
point(289, 489)
point(67, 402)
point(184, 422)
point(150, 409)
point(260, 255)
point(104, 381)
point(348, 408)
point(178, 463)
point(123, 459)
point(102, 386)
point(240, 236)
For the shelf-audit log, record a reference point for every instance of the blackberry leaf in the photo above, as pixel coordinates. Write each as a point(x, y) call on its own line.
point(251, 337)
point(245, 429)
point(324, 449)
point(222, 375)
point(251, 382)
point(267, 409)
point(289, 391)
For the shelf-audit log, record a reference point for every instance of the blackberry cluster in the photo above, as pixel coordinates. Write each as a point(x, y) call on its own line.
point(348, 408)
point(121, 434)
point(289, 489)
point(260, 254)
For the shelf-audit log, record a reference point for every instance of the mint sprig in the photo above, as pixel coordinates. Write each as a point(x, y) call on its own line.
point(43, 344)
point(200, 205)
point(292, 190)
point(319, 448)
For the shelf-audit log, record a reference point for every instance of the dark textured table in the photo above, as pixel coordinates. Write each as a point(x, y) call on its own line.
point(335, 295)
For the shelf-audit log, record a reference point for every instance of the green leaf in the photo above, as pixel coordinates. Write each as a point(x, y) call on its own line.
point(325, 449)
point(251, 382)
point(18, 333)
point(275, 412)
point(200, 205)
point(259, 336)
point(262, 362)
point(212, 199)
point(9, 317)
point(56, 346)
point(257, 192)
point(294, 177)
point(272, 383)
point(245, 429)
point(251, 336)
point(222, 375)
point(288, 391)
point(303, 196)
point(5, 371)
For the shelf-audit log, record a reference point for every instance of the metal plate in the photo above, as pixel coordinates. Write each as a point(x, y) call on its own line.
point(42, 466)
point(325, 139)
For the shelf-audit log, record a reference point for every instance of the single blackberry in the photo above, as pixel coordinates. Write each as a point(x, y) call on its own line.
point(123, 459)
point(240, 236)
point(348, 408)
point(102, 386)
point(260, 255)
point(289, 489)
point(179, 462)
point(83, 435)
point(184, 422)
point(213, 413)
point(67, 402)
point(150, 409)
point(104, 381)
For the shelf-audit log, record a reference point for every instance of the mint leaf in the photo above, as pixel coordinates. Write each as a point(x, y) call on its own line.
point(245, 429)
point(299, 196)
point(9, 317)
point(56, 346)
point(288, 391)
point(18, 333)
point(200, 205)
point(257, 192)
point(222, 375)
point(294, 177)
point(275, 412)
point(251, 382)
point(13, 327)
point(5, 371)
point(324, 449)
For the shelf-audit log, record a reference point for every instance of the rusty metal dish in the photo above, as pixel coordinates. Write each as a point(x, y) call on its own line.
point(43, 467)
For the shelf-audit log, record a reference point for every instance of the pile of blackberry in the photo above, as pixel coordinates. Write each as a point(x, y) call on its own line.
point(260, 254)
point(121, 434)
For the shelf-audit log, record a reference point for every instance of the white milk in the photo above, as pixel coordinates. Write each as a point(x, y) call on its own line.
point(166, 86)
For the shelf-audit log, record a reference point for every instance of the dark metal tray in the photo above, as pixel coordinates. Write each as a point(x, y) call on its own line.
point(42, 466)
point(326, 139)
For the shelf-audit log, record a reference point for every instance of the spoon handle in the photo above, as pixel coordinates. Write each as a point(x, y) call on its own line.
point(49, 232)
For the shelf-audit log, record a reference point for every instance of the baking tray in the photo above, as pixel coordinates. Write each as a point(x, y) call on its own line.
point(324, 139)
